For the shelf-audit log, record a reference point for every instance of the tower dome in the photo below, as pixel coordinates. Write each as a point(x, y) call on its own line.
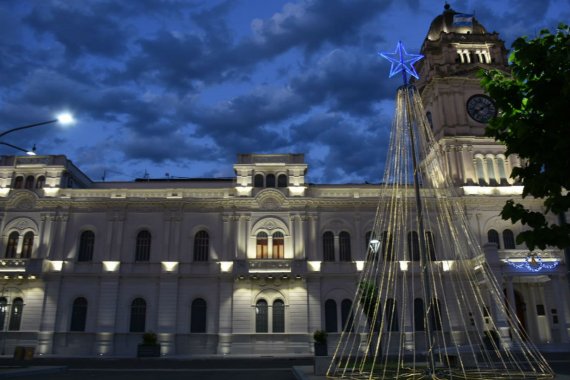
point(451, 21)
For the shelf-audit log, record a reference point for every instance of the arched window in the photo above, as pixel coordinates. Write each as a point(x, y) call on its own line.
point(282, 180)
point(435, 315)
point(198, 316)
point(278, 245)
point(392, 314)
point(138, 315)
point(78, 315)
point(262, 246)
point(261, 324)
point(19, 182)
point(258, 180)
point(29, 182)
point(278, 316)
point(3, 311)
point(493, 237)
point(344, 246)
point(413, 246)
point(12, 245)
point(387, 247)
point(86, 244)
point(328, 246)
point(270, 180)
point(480, 171)
point(331, 324)
point(40, 182)
point(346, 315)
point(142, 252)
point(509, 239)
point(419, 315)
point(201, 246)
point(430, 242)
point(27, 245)
point(16, 314)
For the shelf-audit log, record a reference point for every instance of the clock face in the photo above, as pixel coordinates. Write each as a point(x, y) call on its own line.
point(481, 108)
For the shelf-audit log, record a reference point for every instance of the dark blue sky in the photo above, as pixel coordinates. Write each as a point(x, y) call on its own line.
point(181, 86)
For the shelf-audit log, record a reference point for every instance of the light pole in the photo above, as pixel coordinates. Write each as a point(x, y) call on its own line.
point(31, 152)
point(64, 118)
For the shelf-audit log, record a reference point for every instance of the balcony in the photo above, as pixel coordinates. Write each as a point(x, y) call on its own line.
point(13, 265)
point(269, 266)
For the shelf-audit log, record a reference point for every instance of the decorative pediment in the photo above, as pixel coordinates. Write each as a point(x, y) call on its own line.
point(22, 200)
point(269, 224)
point(21, 224)
point(270, 199)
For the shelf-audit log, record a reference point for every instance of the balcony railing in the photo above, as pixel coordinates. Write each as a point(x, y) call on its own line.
point(269, 266)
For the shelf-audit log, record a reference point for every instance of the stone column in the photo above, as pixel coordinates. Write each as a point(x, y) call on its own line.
point(511, 297)
point(299, 237)
point(59, 236)
point(304, 239)
point(109, 236)
point(336, 247)
point(467, 162)
point(45, 236)
point(532, 320)
point(166, 222)
point(175, 232)
point(226, 237)
point(167, 312)
point(225, 316)
point(107, 314)
point(313, 250)
point(49, 315)
point(452, 162)
point(561, 285)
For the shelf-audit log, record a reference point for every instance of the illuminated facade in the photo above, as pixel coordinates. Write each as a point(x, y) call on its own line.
point(252, 264)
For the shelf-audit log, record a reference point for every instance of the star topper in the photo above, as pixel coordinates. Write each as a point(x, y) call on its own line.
point(402, 62)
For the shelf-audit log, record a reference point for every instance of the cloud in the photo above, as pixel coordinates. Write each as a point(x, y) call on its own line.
point(241, 123)
point(312, 23)
point(348, 79)
point(353, 150)
point(80, 31)
point(183, 60)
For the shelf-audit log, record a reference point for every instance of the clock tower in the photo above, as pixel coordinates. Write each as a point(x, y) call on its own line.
point(455, 48)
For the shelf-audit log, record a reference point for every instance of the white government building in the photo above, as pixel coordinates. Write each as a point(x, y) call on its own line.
point(256, 263)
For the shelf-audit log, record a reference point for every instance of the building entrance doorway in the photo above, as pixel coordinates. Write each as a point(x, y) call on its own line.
point(520, 310)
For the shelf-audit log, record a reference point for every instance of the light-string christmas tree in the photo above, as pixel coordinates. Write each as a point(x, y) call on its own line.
point(427, 305)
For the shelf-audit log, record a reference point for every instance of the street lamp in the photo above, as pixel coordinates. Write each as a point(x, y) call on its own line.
point(31, 152)
point(64, 118)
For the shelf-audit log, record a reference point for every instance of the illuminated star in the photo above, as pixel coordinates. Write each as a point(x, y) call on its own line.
point(402, 62)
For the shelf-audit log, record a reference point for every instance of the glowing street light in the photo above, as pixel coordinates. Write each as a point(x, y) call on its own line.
point(31, 152)
point(63, 119)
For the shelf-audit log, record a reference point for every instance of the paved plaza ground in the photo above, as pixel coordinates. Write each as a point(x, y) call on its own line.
point(212, 368)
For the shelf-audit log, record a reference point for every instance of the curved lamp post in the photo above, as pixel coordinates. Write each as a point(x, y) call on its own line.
point(64, 119)
point(28, 152)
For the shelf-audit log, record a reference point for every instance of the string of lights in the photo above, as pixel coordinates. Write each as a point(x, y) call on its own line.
point(427, 307)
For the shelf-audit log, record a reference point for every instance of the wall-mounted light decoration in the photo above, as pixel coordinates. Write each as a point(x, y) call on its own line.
point(533, 263)
point(111, 266)
point(169, 266)
point(374, 244)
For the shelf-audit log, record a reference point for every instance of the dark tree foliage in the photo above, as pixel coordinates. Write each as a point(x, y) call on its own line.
point(534, 123)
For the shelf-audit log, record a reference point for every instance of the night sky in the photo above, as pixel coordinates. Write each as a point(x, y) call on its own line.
point(181, 87)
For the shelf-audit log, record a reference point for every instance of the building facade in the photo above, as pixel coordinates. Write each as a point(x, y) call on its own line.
point(256, 263)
